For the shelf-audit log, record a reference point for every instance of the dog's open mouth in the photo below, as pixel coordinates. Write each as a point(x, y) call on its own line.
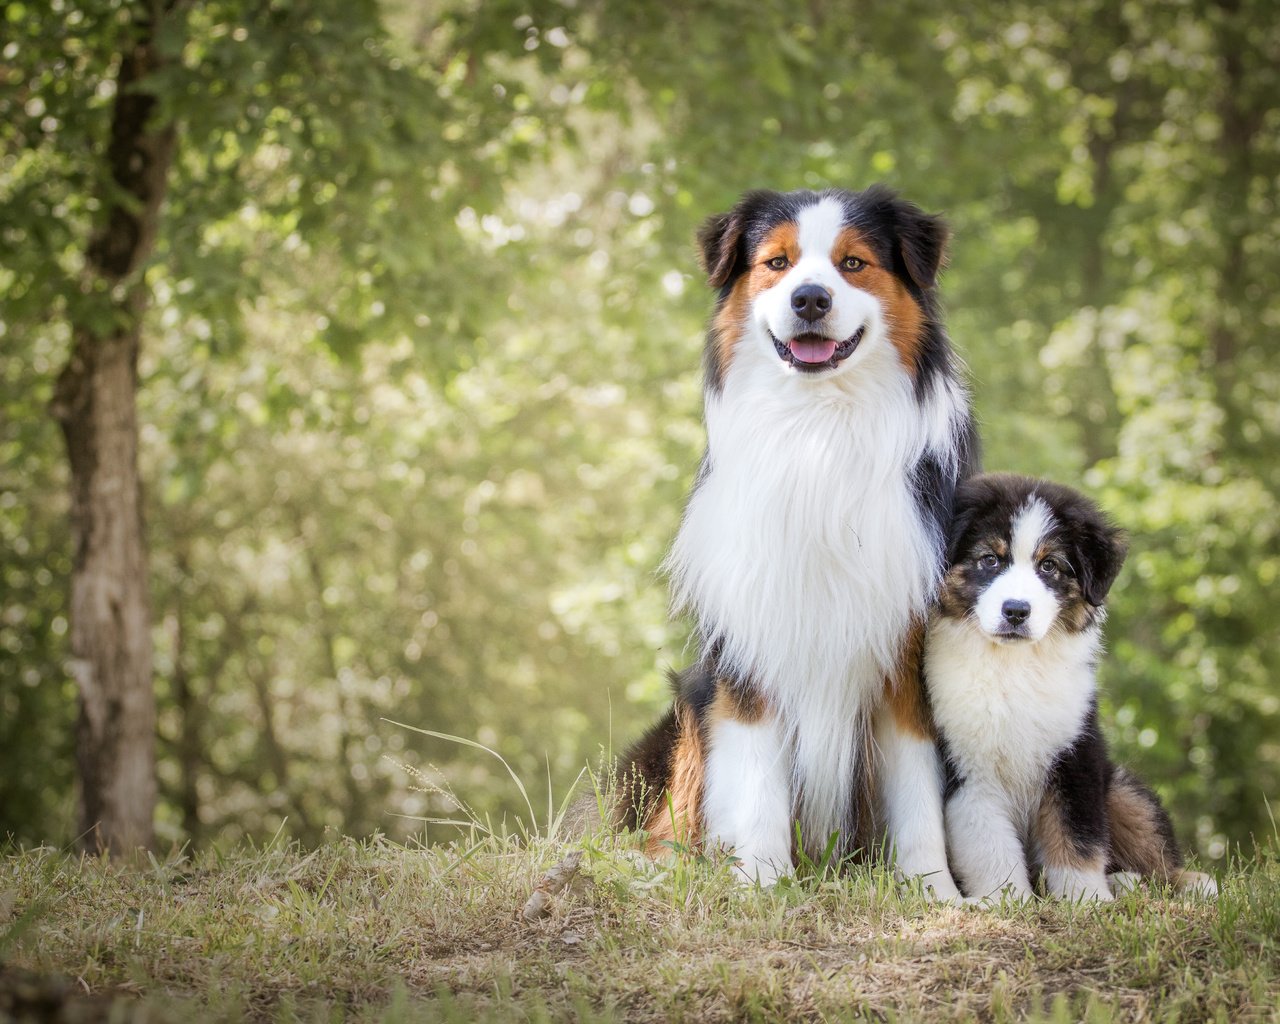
point(813, 352)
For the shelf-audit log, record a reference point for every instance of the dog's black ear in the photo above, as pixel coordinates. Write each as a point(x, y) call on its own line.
point(922, 239)
point(720, 246)
point(965, 509)
point(1099, 553)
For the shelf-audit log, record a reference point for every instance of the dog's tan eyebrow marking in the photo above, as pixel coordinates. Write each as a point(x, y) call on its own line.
point(851, 242)
point(783, 240)
point(902, 313)
point(1050, 547)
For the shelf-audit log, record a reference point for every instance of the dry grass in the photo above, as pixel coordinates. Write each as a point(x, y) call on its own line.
point(374, 931)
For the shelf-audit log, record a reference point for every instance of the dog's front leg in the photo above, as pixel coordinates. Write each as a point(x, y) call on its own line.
point(985, 845)
point(910, 784)
point(747, 797)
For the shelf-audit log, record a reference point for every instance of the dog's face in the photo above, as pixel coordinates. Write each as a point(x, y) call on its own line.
point(816, 279)
point(1027, 557)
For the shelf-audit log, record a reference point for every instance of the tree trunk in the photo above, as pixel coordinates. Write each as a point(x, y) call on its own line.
point(95, 402)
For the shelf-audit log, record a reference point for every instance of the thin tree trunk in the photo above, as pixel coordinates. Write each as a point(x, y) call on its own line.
point(95, 402)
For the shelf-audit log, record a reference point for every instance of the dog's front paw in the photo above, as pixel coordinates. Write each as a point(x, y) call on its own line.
point(1197, 883)
point(1078, 886)
point(1010, 895)
point(751, 871)
point(1124, 881)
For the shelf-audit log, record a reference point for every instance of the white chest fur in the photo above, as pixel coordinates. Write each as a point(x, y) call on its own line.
point(803, 551)
point(1006, 710)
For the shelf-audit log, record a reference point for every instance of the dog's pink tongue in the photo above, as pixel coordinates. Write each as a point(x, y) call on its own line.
point(813, 351)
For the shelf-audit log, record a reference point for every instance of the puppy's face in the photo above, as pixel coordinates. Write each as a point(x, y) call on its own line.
point(813, 279)
point(1028, 558)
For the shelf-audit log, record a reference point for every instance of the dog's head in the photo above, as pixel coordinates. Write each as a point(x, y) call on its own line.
point(816, 279)
point(1027, 557)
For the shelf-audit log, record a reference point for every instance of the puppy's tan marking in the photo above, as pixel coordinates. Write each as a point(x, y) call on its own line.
point(1137, 840)
point(1055, 846)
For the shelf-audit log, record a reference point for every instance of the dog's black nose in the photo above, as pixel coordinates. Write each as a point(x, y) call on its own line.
point(1016, 612)
point(811, 302)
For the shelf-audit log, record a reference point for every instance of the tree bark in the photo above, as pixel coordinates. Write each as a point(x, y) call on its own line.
point(95, 403)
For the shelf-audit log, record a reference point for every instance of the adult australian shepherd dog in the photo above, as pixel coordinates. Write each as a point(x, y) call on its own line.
point(812, 546)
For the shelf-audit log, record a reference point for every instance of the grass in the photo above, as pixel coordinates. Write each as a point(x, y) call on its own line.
point(379, 932)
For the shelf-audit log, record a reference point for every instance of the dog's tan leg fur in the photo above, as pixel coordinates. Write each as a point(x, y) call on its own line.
point(1071, 870)
point(676, 813)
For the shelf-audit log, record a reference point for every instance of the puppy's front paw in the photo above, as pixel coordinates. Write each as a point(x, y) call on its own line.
point(1077, 885)
point(937, 886)
point(1197, 883)
point(1124, 881)
point(1010, 895)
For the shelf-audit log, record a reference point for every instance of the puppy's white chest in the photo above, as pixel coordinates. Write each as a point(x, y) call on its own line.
point(1006, 712)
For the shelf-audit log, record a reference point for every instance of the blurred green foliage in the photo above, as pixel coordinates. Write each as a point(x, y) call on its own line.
point(420, 382)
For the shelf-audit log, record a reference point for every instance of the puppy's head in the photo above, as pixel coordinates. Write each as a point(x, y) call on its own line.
point(1028, 557)
point(810, 280)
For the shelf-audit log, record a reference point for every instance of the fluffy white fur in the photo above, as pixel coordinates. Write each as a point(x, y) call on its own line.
point(747, 799)
point(1077, 884)
point(910, 776)
point(803, 551)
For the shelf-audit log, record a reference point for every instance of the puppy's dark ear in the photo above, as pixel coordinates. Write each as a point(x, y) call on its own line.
point(720, 246)
point(922, 239)
point(1099, 552)
point(961, 520)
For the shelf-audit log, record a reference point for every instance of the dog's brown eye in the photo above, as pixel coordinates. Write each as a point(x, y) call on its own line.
point(778, 263)
point(1050, 566)
point(988, 562)
point(852, 263)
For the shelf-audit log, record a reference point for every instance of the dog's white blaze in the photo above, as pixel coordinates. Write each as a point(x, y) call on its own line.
point(817, 228)
point(803, 550)
point(1021, 581)
point(747, 797)
point(1030, 526)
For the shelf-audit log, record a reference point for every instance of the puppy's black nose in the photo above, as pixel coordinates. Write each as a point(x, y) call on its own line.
point(811, 302)
point(1016, 612)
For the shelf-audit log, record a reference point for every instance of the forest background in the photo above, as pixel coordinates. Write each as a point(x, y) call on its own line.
point(419, 364)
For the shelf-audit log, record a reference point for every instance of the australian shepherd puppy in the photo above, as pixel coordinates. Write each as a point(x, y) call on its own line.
point(1009, 665)
point(812, 545)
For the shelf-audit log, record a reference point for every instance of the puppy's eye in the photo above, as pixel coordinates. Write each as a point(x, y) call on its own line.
point(1050, 566)
point(778, 263)
point(988, 562)
point(852, 263)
